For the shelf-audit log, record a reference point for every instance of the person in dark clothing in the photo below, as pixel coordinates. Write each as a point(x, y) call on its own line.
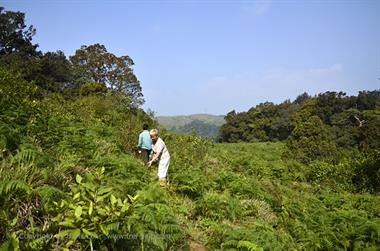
point(145, 144)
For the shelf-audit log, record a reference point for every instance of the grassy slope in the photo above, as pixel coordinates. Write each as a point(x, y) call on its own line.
point(169, 122)
point(251, 197)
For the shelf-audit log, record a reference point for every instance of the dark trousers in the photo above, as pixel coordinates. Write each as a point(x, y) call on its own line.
point(145, 155)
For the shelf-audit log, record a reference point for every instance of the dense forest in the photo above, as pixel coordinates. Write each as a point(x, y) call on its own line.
point(325, 125)
point(300, 175)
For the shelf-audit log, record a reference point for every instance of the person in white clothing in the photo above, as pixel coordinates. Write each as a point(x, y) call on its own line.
point(161, 154)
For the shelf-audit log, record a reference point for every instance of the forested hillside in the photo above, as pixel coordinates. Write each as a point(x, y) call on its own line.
point(335, 110)
point(324, 126)
point(202, 124)
point(70, 178)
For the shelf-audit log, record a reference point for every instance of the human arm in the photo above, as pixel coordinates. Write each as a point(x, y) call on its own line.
point(158, 149)
point(155, 157)
point(139, 144)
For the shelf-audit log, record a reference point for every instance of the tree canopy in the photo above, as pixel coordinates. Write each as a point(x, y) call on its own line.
point(53, 72)
point(15, 36)
point(94, 63)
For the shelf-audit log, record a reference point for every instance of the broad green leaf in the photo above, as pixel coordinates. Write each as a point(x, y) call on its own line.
point(63, 203)
point(104, 230)
point(89, 233)
point(104, 190)
point(78, 178)
point(125, 207)
point(119, 202)
point(14, 221)
point(101, 198)
point(113, 199)
point(78, 211)
point(69, 243)
point(90, 208)
point(76, 196)
point(130, 197)
point(92, 194)
point(57, 218)
point(67, 223)
point(134, 198)
point(90, 187)
point(107, 208)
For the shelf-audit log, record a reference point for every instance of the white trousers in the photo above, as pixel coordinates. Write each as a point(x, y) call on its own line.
point(163, 166)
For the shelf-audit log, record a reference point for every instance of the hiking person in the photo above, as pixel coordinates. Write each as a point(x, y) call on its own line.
point(145, 144)
point(160, 155)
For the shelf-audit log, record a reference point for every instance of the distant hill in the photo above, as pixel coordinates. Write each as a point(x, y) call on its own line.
point(204, 124)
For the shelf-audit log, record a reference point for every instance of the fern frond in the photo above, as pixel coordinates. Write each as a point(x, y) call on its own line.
point(49, 194)
point(26, 155)
point(249, 245)
point(113, 227)
point(153, 240)
point(13, 186)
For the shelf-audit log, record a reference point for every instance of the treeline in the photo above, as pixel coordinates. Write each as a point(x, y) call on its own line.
point(69, 180)
point(91, 70)
point(68, 130)
point(348, 121)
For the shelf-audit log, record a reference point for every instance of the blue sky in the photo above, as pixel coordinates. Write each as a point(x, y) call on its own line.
point(211, 56)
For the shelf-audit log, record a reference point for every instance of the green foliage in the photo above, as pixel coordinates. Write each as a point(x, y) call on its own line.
point(92, 89)
point(200, 128)
point(186, 168)
point(53, 73)
point(16, 109)
point(311, 140)
point(367, 99)
point(58, 141)
point(217, 206)
point(154, 221)
point(327, 126)
point(69, 179)
point(367, 172)
point(259, 201)
point(264, 122)
point(90, 212)
point(16, 37)
point(337, 176)
point(95, 64)
point(169, 122)
point(331, 103)
point(369, 133)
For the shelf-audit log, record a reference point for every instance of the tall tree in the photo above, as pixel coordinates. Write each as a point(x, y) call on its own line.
point(367, 99)
point(54, 73)
point(17, 52)
point(15, 36)
point(94, 63)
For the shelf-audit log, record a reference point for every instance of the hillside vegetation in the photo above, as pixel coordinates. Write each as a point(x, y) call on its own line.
point(181, 120)
point(202, 124)
point(71, 179)
point(244, 196)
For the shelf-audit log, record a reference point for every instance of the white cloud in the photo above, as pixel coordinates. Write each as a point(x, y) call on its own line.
point(256, 8)
point(221, 94)
point(333, 68)
point(245, 90)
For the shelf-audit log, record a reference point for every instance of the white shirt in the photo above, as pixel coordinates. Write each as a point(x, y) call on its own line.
point(160, 147)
